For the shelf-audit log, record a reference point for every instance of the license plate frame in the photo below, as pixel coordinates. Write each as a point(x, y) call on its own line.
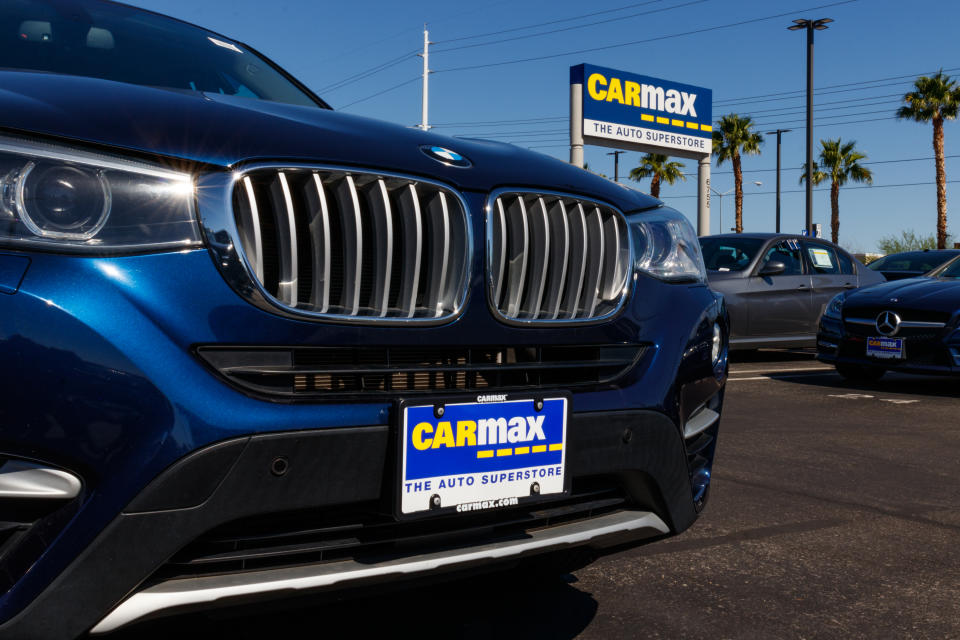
point(414, 464)
point(885, 348)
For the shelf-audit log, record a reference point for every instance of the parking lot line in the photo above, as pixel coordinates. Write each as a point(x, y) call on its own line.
point(778, 375)
point(790, 370)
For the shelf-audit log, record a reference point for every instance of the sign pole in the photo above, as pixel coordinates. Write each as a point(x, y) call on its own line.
point(576, 124)
point(703, 196)
point(634, 112)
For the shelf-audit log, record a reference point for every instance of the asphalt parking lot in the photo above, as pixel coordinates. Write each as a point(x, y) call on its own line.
point(835, 513)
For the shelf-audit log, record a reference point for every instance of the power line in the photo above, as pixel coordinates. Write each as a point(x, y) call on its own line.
point(845, 188)
point(801, 92)
point(366, 46)
point(819, 121)
point(571, 28)
point(645, 41)
point(896, 161)
point(543, 24)
point(494, 123)
point(523, 130)
point(764, 123)
point(819, 91)
point(379, 93)
point(857, 102)
point(797, 128)
point(368, 72)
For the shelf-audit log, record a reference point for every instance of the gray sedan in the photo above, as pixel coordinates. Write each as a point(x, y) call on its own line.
point(776, 286)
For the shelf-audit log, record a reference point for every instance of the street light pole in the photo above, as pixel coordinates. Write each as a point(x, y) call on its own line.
point(720, 198)
point(616, 164)
point(810, 26)
point(770, 133)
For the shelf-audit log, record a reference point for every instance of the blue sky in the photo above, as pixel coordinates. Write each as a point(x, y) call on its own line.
point(864, 62)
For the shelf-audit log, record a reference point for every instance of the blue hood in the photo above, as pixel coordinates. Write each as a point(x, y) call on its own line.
point(225, 131)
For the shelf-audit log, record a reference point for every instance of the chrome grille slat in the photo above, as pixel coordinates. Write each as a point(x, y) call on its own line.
point(383, 253)
point(596, 259)
point(413, 250)
point(250, 231)
point(437, 275)
point(319, 225)
point(539, 227)
point(351, 245)
point(560, 243)
point(287, 235)
point(578, 261)
point(517, 246)
point(555, 258)
point(499, 261)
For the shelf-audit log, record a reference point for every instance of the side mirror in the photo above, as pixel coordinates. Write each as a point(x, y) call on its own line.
point(773, 268)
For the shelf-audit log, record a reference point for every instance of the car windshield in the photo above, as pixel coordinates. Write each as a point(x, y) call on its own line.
point(918, 262)
point(951, 270)
point(729, 254)
point(115, 42)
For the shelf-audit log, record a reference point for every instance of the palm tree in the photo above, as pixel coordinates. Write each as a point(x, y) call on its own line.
point(734, 135)
point(656, 166)
point(838, 163)
point(934, 99)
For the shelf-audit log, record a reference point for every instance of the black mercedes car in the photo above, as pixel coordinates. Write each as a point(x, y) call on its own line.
point(908, 325)
point(776, 286)
point(910, 264)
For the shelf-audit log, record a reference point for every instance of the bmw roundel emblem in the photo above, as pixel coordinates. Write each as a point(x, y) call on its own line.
point(446, 156)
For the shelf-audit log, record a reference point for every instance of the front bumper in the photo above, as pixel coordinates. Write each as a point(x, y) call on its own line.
point(639, 454)
point(928, 352)
point(102, 381)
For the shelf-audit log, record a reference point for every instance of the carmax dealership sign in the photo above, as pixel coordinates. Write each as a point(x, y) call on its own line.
point(644, 111)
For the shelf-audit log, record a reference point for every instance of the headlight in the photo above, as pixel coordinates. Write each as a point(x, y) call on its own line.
point(835, 307)
point(666, 247)
point(66, 199)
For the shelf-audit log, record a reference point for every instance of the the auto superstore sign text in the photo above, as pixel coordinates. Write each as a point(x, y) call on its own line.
point(632, 108)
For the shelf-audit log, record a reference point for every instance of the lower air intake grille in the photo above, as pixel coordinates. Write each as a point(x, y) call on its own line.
point(364, 533)
point(556, 258)
point(353, 245)
point(324, 371)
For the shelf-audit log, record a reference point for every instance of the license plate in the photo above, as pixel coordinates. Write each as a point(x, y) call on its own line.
point(885, 348)
point(474, 455)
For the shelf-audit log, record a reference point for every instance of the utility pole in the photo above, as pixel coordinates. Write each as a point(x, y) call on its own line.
point(810, 26)
point(616, 164)
point(770, 133)
point(426, 77)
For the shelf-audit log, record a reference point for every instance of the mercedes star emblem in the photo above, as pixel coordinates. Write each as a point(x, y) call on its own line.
point(888, 323)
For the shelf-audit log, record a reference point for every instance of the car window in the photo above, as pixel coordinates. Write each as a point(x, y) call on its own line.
point(729, 254)
point(919, 262)
point(787, 252)
point(123, 44)
point(823, 259)
point(846, 263)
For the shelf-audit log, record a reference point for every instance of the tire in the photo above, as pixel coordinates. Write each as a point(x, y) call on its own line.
point(860, 373)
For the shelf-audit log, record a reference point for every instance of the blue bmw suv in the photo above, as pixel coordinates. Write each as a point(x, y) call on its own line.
point(254, 348)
